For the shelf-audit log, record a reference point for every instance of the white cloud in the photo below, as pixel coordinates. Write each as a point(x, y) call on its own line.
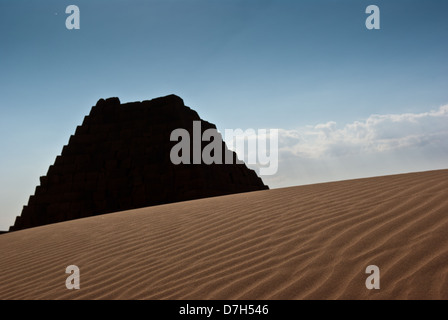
point(378, 133)
point(378, 145)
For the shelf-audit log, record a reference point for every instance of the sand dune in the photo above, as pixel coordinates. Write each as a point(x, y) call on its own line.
point(307, 242)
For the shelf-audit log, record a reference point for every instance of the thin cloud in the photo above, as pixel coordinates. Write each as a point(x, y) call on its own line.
point(378, 133)
point(379, 145)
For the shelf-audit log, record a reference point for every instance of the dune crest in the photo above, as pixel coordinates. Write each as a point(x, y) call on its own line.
point(306, 242)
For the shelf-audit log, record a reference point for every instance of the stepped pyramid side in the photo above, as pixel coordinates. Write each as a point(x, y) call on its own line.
point(119, 159)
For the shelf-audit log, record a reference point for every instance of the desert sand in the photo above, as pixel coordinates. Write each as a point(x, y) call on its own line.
point(305, 242)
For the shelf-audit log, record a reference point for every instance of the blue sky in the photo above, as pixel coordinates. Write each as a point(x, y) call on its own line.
point(309, 68)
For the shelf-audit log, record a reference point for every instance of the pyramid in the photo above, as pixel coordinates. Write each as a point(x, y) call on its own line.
point(119, 159)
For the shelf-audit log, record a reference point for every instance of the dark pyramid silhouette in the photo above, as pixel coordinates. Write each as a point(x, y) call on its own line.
point(119, 159)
